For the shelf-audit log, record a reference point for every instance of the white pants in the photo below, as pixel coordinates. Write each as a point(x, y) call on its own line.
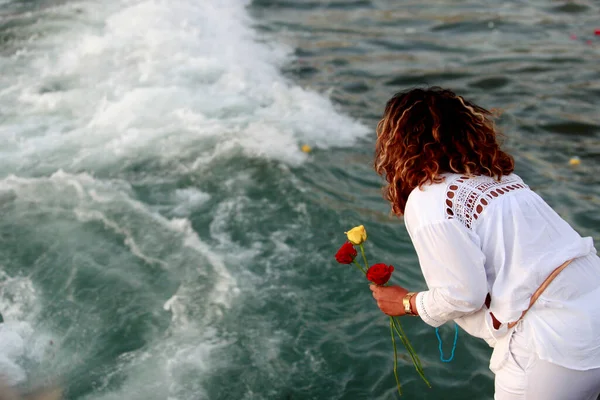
point(526, 377)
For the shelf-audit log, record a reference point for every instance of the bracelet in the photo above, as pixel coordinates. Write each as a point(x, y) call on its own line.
point(406, 303)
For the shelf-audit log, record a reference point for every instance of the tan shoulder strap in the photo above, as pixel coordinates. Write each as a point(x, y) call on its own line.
point(540, 290)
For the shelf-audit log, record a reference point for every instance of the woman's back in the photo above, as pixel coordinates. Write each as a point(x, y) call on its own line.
point(520, 237)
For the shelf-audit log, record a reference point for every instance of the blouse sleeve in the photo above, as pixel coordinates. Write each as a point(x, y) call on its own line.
point(475, 324)
point(453, 268)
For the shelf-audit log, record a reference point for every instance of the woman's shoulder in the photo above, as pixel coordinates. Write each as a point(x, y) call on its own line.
point(425, 204)
point(457, 196)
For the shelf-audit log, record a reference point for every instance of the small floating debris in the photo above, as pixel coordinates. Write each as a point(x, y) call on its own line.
point(306, 148)
point(575, 161)
point(588, 41)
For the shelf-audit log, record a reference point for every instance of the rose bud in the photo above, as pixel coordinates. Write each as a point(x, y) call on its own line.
point(357, 235)
point(379, 274)
point(346, 254)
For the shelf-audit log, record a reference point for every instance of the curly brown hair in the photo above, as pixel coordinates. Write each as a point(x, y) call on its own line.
point(426, 132)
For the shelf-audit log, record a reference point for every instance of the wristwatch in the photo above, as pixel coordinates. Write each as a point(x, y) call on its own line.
point(406, 303)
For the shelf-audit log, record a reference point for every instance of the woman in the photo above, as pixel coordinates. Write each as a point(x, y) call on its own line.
point(486, 243)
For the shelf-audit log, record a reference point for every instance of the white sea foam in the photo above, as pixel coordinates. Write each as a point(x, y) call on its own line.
point(188, 200)
point(18, 299)
point(18, 340)
point(190, 339)
point(192, 346)
point(183, 84)
point(90, 199)
point(186, 81)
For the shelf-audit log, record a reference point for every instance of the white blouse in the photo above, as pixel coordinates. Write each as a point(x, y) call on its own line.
point(476, 235)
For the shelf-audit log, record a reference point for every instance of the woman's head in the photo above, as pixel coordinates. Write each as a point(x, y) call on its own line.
point(426, 132)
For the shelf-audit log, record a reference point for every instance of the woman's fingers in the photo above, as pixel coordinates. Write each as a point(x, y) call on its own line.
point(386, 292)
point(377, 293)
point(386, 307)
point(389, 299)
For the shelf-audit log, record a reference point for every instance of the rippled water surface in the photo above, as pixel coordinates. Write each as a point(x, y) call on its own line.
point(164, 237)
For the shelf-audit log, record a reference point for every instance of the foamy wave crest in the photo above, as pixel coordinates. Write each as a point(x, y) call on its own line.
point(158, 88)
point(110, 203)
point(20, 343)
point(172, 269)
point(147, 79)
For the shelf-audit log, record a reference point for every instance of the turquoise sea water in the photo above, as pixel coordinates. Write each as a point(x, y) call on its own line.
point(162, 235)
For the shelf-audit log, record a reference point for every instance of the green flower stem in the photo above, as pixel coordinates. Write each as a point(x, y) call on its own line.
point(407, 346)
point(359, 267)
point(418, 364)
point(416, 361)
point(402, 334)
point(395, 357)
point(362, 250)
point(417, 368)
point(396, 327)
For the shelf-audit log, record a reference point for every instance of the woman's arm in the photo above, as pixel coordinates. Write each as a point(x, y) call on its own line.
point(475, 325)
point(453, 266)
point(388, 301)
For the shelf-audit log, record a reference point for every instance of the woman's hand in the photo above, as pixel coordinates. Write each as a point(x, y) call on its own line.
point(389, 299)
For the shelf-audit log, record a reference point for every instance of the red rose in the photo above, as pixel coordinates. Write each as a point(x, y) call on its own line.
point(346, 254)
point(379, 274)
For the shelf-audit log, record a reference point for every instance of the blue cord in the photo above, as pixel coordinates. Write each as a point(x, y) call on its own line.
point(437, 333)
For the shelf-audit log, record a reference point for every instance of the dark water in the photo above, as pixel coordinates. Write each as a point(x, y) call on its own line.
point(162, 234)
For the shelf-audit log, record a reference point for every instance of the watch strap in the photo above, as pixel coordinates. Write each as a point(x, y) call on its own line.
point(406, 303)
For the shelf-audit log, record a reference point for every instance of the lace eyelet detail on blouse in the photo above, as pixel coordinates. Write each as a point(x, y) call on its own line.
point(467, 197)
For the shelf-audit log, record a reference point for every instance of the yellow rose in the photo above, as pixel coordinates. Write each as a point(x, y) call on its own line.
point(357, 235)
